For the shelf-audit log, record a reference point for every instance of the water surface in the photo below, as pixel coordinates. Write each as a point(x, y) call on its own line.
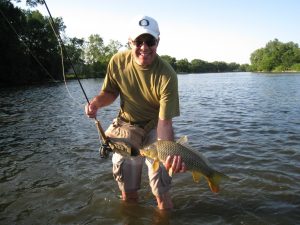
point(246, 124)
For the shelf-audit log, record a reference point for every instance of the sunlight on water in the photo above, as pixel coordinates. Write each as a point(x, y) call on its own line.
point(246, 124)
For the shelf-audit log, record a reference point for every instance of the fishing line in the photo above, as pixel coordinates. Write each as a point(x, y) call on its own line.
point(101, 133)
point(102, 137)
point(64, 50)
point(62, 62)
point(37, 60)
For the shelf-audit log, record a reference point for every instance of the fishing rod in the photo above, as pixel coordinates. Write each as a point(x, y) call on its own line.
point(105, 148)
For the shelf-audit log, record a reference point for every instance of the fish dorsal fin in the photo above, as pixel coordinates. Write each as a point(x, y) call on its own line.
point(183, 140)
point(196, 176)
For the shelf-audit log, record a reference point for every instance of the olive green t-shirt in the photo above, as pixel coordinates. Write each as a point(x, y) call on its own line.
point(145, 93)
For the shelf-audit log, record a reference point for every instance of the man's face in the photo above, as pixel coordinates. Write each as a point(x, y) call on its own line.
point(144, 49)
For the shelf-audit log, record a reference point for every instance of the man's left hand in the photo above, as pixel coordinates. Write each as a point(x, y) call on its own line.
point(174, 164)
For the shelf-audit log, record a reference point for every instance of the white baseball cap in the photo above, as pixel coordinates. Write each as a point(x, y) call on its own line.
point(144, 25)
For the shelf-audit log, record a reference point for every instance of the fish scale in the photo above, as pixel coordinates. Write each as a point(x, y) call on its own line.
point(166, 148)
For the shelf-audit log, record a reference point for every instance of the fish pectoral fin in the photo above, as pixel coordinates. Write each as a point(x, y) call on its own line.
point(155, 165)
point(196, 176)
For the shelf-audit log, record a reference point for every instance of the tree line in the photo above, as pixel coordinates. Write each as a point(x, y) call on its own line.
point(276, 57)
point(30, 51)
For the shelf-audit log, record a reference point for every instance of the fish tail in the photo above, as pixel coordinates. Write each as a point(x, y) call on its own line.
point(214, 181)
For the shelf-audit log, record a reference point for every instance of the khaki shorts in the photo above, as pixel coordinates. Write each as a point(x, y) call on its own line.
point(127, 171)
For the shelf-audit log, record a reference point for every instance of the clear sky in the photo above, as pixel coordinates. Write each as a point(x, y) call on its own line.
point(211, 30)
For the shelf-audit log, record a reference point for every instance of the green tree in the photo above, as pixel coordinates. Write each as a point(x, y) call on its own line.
point(29, 48)
point(95, 49)
point(234, 67)
point(183, 66)
point(198, 66)
point(170, 60)
point(97, 54)
point(275, 56)
point(33, 3)
point(220, 66)
point(245, 68)
point(75, 51)
point(110, 49)
point(13, 55)
point(290, 55)
point(43, 44)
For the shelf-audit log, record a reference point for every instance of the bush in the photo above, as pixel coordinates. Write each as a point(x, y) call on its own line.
point(296, 67)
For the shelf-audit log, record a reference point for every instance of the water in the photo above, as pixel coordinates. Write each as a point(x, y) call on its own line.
point(246, 124)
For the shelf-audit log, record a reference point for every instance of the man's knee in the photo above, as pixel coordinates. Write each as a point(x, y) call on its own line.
point(160, 181)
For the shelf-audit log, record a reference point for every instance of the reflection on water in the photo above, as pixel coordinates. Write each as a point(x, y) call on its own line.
point(247, 125)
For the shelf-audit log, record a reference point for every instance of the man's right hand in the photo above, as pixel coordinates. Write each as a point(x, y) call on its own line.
point(91, 110)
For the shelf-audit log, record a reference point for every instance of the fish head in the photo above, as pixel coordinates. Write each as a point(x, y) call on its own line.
point(149, 151)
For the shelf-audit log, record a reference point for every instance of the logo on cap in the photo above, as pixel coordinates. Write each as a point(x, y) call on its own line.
point(144, 23)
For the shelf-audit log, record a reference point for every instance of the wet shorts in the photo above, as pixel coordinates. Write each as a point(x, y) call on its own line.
point(127, 171)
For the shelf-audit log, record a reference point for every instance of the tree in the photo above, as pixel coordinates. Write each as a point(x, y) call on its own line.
point(43, 45)
point(13, 55)
point(74, 48)
point(29, 48)
point(275, 56)
point(170, 60)
point(111, 48)
point(95, 49)
point(198, 66)
point(183, 66)
point(97, 55)
point(220, 66)
point(290, 55)
point(33, 3)
point(234, 67)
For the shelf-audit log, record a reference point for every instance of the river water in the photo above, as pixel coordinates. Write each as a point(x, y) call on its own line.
point(246, 124)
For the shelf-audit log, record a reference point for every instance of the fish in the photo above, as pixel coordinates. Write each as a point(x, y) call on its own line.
point(195, 162)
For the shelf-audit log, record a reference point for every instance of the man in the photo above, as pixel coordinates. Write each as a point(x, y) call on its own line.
point(148, 90)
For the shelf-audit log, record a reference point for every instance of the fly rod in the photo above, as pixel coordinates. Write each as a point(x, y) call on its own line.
point(98, 125)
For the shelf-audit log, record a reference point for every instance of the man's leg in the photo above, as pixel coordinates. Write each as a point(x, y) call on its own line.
point(160, 183)
point(130, 196)
point(127, 172)
point(164, 201)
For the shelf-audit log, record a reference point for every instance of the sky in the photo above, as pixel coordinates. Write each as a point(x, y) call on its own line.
point(210, 30)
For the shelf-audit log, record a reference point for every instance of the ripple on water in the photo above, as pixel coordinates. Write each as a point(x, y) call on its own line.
point(243, 123)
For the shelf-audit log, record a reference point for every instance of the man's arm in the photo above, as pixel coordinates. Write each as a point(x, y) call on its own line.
point(165, 132)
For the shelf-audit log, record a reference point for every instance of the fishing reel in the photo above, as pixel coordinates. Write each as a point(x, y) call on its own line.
point(121, 148)
point(104, 151)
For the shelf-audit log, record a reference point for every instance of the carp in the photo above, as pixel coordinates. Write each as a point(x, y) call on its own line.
point(195, 162)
